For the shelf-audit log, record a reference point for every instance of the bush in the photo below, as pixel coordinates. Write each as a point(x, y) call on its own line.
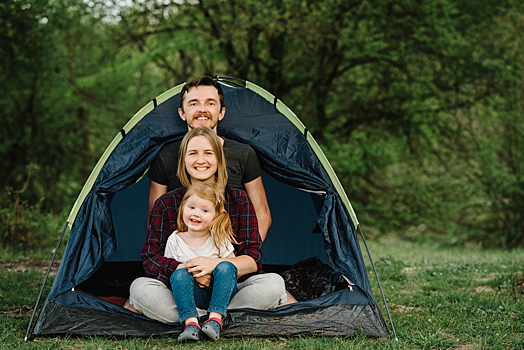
point(25, 231)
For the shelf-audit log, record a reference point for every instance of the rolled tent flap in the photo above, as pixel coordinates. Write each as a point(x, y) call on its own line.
point(341, 242)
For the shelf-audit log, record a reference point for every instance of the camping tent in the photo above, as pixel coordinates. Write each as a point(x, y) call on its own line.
point(312, 217)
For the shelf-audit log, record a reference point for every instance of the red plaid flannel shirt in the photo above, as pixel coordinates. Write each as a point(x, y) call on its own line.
point(162, 223)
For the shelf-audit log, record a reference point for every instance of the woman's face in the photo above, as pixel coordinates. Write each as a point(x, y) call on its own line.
point(200, 160)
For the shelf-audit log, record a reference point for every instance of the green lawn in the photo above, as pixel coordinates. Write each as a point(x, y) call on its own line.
point(439, 298)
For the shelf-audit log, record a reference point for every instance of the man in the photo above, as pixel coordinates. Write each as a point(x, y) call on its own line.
point(202, 104)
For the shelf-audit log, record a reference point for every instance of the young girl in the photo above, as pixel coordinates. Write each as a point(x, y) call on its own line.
point(203, 230)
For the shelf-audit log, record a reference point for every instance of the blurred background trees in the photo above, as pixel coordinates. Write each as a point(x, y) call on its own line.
point(417, 104)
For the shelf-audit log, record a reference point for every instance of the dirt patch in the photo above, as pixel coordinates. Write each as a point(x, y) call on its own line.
point(401, 309)
point(519, 286)
point(19, 312)
point(483, 289)
point(23, 266)
point(491, 276)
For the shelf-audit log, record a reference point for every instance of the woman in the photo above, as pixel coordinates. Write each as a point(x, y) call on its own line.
point(201, 159)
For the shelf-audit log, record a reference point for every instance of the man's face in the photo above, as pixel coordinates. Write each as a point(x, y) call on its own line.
point(202, 107)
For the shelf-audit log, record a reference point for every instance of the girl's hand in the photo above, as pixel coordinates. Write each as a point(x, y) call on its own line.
point(201, 266)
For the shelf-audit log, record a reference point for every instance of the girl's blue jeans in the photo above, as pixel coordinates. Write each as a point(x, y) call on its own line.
point(188, 295)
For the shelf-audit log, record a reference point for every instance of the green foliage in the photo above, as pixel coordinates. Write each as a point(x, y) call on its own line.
point(418, 104)
point(411, 137)
point(25, 231)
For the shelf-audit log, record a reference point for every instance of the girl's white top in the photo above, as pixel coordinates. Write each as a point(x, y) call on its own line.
point(179, 250)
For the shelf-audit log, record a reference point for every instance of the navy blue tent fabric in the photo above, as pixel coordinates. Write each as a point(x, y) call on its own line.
point(284, 154)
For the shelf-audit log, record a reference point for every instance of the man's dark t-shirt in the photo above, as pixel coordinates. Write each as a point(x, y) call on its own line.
point(241, 162)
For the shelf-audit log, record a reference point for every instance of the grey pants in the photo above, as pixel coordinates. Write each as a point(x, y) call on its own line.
point(155, 300)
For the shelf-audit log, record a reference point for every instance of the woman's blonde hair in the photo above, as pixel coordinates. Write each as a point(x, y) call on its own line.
point(220, 227)
point(221, 173)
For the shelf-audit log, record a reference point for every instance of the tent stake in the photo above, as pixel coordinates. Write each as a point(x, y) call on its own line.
point(381, 291)
point(45, 281)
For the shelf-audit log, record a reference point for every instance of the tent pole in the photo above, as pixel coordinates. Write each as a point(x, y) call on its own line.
point(45, 281)
point(381, 291)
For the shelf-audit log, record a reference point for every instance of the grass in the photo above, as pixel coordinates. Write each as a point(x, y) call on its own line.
point(439, 298)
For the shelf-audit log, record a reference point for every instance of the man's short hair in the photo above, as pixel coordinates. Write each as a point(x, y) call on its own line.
point(204, 81)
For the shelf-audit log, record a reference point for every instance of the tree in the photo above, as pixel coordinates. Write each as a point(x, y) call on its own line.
point(417, 103)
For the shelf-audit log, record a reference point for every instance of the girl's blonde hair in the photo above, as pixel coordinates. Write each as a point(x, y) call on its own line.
point(221, 173)
point(220, 227)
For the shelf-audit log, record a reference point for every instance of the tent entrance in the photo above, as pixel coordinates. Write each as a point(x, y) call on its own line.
point(113, 279)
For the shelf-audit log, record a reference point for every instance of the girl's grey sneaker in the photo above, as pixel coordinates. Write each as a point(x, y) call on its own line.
point(212, 328)
point(192, 331)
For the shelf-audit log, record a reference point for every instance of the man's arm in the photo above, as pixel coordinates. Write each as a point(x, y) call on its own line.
point(257, 194)
point(155, 191)
point(160, 172)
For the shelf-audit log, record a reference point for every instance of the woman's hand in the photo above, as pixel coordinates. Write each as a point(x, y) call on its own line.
point(203, 281)
point(201, 266)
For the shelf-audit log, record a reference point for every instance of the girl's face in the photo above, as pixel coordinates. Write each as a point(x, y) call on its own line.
point(200, 160)
point(198, 214)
